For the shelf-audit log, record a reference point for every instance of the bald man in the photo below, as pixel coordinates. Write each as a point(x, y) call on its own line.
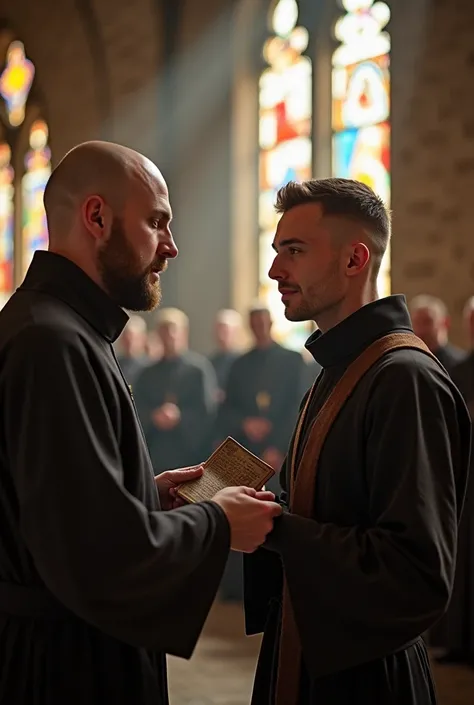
point(97, 579)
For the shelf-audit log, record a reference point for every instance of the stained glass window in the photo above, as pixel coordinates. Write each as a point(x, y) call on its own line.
point(285, 121)
point(15, 82)
point(361, 103)
point(37, 171)
point(6, 221)
point(23, 174)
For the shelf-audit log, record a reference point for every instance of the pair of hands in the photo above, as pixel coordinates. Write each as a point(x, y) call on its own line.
point(166, 417)
point(250, 513)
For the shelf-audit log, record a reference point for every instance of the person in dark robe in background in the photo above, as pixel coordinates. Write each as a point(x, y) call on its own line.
point(370, 567)
point(95, 577)
point(176, 397)
point(227, 330)
point(431, 323)
point(131, 348)
point(262, 396)
point(455, 632)
point(263, 393)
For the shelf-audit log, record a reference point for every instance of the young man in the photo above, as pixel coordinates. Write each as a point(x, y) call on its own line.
point(369, 567)
point(96, 582)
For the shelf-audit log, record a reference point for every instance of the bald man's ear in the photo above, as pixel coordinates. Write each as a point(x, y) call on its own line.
point(97, 217)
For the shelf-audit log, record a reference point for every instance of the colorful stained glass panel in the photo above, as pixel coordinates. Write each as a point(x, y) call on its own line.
point(15, 82)
point(6, 222)
point(364, 154)
point(361, 94)
point(38, 170)
point(285, 155)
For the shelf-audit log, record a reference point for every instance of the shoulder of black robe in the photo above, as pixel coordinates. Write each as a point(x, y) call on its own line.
point(119, 564)
point(360, 592)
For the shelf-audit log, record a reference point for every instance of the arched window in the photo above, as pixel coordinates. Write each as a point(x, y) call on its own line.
point(25, 165)
point(361, 103)
point(285, 145)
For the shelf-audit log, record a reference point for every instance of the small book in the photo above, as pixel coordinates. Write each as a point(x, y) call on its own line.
point(231, 465)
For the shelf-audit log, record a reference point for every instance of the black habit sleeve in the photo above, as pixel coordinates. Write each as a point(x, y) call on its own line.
point(146, 578)
point(371, 589)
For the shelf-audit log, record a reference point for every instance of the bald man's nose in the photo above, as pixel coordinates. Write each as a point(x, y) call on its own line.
point(167, 247)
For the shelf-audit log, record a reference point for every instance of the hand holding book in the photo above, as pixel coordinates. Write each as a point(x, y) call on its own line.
point(233, 478)
point(231, 465)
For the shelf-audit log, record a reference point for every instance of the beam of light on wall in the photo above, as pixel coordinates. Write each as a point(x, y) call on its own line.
point(199, 81)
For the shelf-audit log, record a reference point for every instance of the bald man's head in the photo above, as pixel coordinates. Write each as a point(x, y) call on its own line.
point(102, 169)
point(108, 206)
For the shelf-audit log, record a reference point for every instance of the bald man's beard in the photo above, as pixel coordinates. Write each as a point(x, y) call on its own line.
point(123, 276)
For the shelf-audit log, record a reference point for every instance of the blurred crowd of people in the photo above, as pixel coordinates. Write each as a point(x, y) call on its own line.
point(189, 403)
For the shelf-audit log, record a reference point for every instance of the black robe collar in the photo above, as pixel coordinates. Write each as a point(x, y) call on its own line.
point(57, 276)
point(343, 343)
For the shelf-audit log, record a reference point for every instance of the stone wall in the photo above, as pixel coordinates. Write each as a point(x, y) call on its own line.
point(433, 151)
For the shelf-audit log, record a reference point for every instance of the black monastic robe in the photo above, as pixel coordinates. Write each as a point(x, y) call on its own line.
point(263, 383)
point(222, 362)
point(96, 583)
point(374, 567)
point(189, 382)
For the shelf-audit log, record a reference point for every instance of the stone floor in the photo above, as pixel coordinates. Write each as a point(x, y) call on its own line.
point(221, 670)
